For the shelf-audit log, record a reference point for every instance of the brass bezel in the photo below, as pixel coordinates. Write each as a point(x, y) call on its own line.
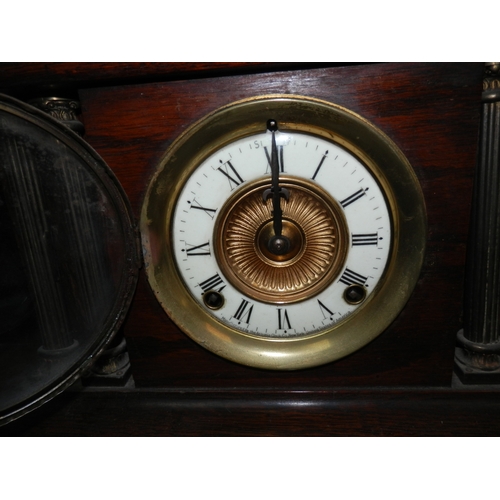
point(295, 113)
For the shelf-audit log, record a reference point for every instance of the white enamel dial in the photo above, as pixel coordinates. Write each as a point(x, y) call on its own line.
point(345, 180)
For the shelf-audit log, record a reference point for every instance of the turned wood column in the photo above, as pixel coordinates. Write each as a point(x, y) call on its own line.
point(477, 357)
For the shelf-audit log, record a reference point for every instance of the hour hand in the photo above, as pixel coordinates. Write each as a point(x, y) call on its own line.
point(278, 244)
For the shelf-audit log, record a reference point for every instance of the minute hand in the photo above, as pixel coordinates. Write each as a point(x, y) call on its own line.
point(276, 190)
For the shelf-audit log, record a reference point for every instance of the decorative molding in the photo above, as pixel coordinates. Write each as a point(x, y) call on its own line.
point(63, 109)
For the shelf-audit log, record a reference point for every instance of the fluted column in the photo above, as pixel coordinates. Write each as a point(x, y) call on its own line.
point(477, 357)
point(23, 195)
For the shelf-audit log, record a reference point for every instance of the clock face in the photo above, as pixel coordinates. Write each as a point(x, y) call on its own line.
point(283, 246)
point(336, 216)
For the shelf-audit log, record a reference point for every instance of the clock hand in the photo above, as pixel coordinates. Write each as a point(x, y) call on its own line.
point(278, 244)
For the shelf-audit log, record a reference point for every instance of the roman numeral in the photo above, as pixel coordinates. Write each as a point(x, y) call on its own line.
point(229, 176)
point(209, 211)
point(324, 310)
point(203, 249)
point(350, 278)
point(355, 196)
point(242, 313)
point(280, 159)
point(283, 320)
point(211, 283)
point(319, 166)
point(364, 239)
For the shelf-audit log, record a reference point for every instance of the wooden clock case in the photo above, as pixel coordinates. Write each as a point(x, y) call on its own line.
point(403, 382)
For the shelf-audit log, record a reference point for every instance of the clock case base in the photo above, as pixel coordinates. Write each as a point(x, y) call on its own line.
point(329, 412)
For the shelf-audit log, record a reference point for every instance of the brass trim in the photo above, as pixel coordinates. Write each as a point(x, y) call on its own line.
point(295, 113)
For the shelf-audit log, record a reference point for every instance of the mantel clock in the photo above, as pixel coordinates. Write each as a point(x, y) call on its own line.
point(248, 249)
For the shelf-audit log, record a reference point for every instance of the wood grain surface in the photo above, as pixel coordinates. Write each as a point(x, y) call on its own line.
point(360, 412)
point(30, 80)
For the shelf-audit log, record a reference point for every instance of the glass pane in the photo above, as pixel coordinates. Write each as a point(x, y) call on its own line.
point(65, 245)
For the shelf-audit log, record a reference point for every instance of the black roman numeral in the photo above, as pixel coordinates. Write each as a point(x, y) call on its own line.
point(355, 196)
point(280, 159)
point(212, 282)
point(203, 249)
point(244, 312)
point(319, 166)
point(229, 176)
point(364, 239)
point(209, 211)
point(283, 320)
point(351, 278)
point(324, 310)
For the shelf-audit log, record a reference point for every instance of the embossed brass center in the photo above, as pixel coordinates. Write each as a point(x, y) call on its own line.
point(313, 223)
point(291, 231)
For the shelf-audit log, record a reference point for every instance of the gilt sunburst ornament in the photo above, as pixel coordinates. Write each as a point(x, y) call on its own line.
point(313, 224)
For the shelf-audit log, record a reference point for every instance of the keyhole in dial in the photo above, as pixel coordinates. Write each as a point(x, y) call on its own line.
point(354, 294)
point(213, 299)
